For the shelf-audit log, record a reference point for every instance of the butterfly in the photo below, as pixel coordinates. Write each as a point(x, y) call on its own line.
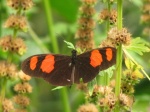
point(62, 70)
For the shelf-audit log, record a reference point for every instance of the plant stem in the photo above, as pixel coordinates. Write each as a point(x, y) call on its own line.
point(119, 12)
point(65, 101)
point(106, 76)
point(3, 90)
point(37, 40)
point(63, 91)
point(50, 25)
point(119, 55)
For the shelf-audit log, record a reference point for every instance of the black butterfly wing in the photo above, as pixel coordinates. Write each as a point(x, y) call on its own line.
point(56, 69)
point(90, 63)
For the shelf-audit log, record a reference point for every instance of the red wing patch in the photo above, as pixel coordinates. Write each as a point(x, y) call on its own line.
point(95, 58)
point(109, 54)
point(33, 62)
point(48, 64)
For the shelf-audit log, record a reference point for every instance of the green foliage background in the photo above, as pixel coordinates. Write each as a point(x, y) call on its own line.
point(64, 15)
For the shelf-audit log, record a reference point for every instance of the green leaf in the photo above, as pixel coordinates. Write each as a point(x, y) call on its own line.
point(135, 63)
point(139, 46)
point(58, 87)
point(69, 45)
point(91, 86)
point(108, 71)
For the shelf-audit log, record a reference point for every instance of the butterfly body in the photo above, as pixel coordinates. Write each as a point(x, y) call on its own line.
point(61, 70)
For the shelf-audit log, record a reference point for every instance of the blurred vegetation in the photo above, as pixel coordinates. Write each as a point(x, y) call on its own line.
point(64, 16)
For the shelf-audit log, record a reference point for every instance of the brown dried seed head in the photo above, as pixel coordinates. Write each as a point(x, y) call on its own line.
point(119, 36)
point(103, 102)
point(113, 16)
point(17, 22)
point(126, 100)
point(146, 31)
point(23, 76)
point(145, 18)
point(23, 88)
point(18, 46)
point(17, 4)
point(82, 87)
point(5, 42)
point(85, 45)
point(84, 34)
point(8, 69)
point(107, 43)
point(87, 11)
point(111, 99)
point(21, 100)
point(86, 23)
point(20, 110)
point(7, 105)
point(146, 8)
point(89, 2)
point(15, 45)
point(87, 108)
point(104, 14)
point(3, 68)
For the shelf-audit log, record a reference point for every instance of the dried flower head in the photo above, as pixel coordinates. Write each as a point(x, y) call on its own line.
point(21, 110)
point(23, 88)
point(83, 87)
point(5, 42)
point(20, 4)
point(113, 17)
point(85, 45)
point(112, 83)
point(87, 11)
point(103, 102)
point(89, 2)
point(15, 45)
point(16, 22)
point(127, 87)
point(107, 43)
point(87, 108)
point(18, 46)
point(8, 69)
point(103, 89)
point(119, 36)
point(7, 105)
point(145, 18)
point(104, 14)
point(146, 31)
point(21, 100)
point(23, 76)
point(3, 68)
point(126, 100)
point(85, 34)
point(146, 8)
point(87, 23)
point(111, 98)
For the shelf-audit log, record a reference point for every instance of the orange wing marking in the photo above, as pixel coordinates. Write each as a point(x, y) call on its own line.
point(109, 54)
point(48, 64)
point(33, 62)
point(96, 58)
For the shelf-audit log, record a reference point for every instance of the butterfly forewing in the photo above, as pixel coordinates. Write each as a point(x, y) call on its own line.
point(56, 69)
point(90, 63)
